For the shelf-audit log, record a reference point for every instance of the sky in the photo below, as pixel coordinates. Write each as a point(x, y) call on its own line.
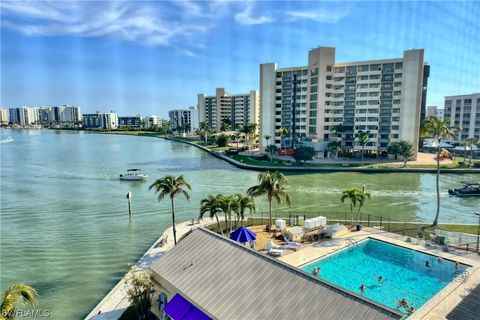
point(146, 57)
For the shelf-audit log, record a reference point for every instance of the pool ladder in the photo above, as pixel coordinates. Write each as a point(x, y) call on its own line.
point(462, 277)
point(352, 242)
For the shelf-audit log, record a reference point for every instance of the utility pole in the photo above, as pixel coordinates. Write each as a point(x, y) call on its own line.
point(128, 195)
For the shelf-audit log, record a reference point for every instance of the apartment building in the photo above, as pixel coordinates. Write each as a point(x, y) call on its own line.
point(233, 109)
point(99, 120)
point(434, 111)
point(464, 111)
point(60, 114)
point(4, 116)
point(183, 120)
point(23, 116)
point(385, 97)
point(130, 121)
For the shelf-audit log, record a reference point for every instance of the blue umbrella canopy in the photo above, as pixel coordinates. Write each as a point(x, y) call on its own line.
point(243, 234)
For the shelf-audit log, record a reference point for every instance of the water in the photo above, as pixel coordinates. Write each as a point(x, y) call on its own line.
point(64, 217)
point(404, 273)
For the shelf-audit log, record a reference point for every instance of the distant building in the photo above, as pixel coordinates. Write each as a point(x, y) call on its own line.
point(99, 120)
point(133, 121)
point(152, 121)
point(440, 114)
point(234, 109)
point(24, 116)
point(385, 97)
point(70, 114)
point(464, 111)
point(183, 120)
point(434, 111)
point(4, 117)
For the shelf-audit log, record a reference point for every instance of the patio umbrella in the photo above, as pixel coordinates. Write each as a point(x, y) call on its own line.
point(242, 235)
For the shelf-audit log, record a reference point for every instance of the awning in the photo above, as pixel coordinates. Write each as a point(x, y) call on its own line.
point(179, 308)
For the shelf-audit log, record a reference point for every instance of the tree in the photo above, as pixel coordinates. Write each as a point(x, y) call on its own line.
point(171, 186)
point(433, 127)
point(140, 290)
point(338, 130)
point(283, 133)
point(211, 205)
point(303, 154)
point(267, 137)
point(470, 143)
point(222, 140)
point(243, 203)
point(271, 149)
point(228, 205)
point(204, 128)
point(405, 150)
point(356, 196)
point(334, 147)
point(272, 185)
point(225, 125)
point(363, 137)
point(14, 297)
point(394, 148)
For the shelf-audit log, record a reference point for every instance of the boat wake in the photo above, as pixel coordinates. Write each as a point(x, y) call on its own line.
point(7, 140)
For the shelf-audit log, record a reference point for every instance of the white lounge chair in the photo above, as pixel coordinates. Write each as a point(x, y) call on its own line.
point(291, 244)
point(274, 250)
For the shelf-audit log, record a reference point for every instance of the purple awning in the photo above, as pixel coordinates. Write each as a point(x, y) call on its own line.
point(179, 308)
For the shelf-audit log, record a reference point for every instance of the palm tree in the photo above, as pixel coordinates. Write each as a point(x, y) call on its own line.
point(271, 184)
point(211, 205)
point(15, 296)
point(171, 186)
point(271, 149)
point(227, 204)
point(333, 147)
point(204, 127)
point(339, 129)
point(243, 203)
point(363, 137)
point(356, 196)
point(438, 129)
point(470, 142)
point(283, 133)
point(267, 137)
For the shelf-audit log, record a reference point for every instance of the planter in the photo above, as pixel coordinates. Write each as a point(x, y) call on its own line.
point(358, 227)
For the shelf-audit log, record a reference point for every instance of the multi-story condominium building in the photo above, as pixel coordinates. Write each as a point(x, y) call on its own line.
point(99, 120)
point(234, 109)
point(4, 117)
point(68, 113)
point(132, 121)
point(464, 111)
point(434, 111)
point(152, 121)
point(24, 116)
point(183, 120)
point(385, 97)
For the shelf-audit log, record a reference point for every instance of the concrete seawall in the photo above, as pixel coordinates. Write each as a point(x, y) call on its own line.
point(322, 169)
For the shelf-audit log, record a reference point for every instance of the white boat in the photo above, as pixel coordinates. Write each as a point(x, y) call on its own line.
point(8, 140)
point(134, 175)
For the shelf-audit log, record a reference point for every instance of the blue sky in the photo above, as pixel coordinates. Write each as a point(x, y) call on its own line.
point(150, 56)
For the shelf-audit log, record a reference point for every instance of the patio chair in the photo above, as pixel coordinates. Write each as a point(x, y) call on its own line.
point(291, 244)
point(274, 250)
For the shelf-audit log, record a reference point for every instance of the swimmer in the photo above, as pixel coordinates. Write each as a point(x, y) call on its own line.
point(316, 271)
point(380, 279)
point(439, 259)
point(362, 288)
point(403, 303)
point(427, 264)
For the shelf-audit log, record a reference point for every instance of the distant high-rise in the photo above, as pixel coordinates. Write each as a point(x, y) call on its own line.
point(4, 116)
point(233, 109)
point(328, 101)
point(100, 120)
point(183, 120)
point(24, 116)
point(464, 111)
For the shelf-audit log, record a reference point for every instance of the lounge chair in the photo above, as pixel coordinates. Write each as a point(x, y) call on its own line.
point(273, 249)
point(291, 244)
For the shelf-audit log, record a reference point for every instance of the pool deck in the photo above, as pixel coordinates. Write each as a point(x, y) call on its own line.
point(436, 308)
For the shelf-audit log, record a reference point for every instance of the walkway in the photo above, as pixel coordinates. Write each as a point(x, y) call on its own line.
point(116, 301)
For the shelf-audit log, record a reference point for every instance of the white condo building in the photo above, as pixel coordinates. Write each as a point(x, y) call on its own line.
point(152, 121)
point(235, 109)
point(24, 116)
point(100, 120)
point(385, 97)
point(464, 111)
point(183, 120)
point(4, 116)
point(434, 111)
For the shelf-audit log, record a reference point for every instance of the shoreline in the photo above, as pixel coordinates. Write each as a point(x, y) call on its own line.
point(319, 169)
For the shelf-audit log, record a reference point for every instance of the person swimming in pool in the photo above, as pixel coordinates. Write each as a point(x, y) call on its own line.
point(402, 303)
point(316, 271)
point(362, 288)
point(428, 264)
point(380, 279)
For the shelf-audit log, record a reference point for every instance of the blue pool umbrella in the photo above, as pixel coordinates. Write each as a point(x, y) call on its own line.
point(243, 234)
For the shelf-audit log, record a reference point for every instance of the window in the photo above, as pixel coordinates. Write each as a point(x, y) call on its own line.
point(313, 97)
point(329, 68)
point(314, 80)
point(363, 68)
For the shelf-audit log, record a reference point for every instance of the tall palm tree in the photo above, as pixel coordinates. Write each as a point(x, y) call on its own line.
point(356, 196)
point(204, 127)
point(339, 129)
point(283, 133)
point(14, 297)
point(211, 205)
point(433, 127)
point(171, 186)
point(271, 184)
point(363, 137)
point(470, 143)
point(243, 203)
point(267, 137)
point(271, 149)
point(228, 205)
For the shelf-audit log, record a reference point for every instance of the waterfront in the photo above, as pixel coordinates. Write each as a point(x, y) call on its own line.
point(64, 223)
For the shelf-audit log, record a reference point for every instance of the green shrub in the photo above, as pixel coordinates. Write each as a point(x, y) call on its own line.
point(222, 140)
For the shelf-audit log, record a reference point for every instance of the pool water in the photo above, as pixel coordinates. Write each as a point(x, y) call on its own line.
point(404, 273)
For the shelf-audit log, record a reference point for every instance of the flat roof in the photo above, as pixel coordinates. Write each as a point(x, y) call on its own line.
point(227, 280)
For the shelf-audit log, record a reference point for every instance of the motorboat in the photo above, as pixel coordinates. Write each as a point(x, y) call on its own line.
point(7, 140)
point(134, 175)
point(468, 190)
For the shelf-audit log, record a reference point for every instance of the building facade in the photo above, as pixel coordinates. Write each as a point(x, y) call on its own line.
point(435, 111)
point(130, 121)
point(233, 109)
point(384, 97)
point(464, 111)
point(24, 116)
point(4, 116)
point(99, 120)
point(153, 121)
point(183, 120)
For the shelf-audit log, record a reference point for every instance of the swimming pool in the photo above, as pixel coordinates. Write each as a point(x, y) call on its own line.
point(404, 272)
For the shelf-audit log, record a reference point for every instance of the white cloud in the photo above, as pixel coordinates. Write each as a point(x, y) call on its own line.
point(318, 15)
point(247, 16)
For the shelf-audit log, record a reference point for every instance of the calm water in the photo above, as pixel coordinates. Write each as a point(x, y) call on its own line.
point(64, 221)
point(403, 271)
